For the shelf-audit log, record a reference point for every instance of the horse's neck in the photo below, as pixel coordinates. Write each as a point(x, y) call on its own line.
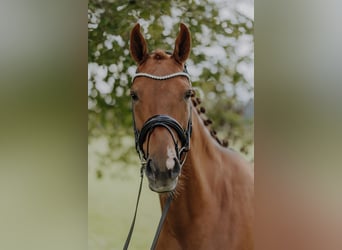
point(214, 194)
point(202, 157)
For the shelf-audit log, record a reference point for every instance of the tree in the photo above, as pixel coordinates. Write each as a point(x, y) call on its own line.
point(221, 63)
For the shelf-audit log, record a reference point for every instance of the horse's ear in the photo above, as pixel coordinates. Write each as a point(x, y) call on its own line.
point(138, 46)
point(182, 44)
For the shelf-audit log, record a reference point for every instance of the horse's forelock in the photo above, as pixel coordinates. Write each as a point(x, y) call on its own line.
point(159, 55)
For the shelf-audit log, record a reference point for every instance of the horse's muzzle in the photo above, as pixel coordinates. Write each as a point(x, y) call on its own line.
point(162, 179)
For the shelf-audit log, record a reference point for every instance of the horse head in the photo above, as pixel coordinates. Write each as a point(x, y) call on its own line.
point(161, 104)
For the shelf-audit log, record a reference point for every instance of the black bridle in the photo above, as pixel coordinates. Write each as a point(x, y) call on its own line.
point(170, 124)
point(144, 134)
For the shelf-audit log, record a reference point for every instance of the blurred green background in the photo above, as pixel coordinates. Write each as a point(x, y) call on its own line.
point(43, 125)
point(44, 117)
point(221, 66)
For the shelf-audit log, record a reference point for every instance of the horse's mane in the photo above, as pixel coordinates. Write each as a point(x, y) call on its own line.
point(207, 122)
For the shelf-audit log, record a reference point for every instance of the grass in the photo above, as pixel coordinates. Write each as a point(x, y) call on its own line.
point(111, 203)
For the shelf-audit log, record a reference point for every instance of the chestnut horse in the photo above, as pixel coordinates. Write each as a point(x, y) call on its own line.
point(213, 187)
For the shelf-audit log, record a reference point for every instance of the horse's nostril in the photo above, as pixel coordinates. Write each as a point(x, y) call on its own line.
point(153, 172)
point(149, 170)
point(176, 169)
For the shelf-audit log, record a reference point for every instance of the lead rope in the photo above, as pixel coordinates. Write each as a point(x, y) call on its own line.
point(161, 221)
point(136, 209)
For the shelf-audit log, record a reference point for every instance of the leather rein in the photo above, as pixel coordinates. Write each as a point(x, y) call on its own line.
point(141, 136)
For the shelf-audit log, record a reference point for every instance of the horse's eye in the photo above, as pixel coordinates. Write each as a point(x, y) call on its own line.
point(134, 96)
point(188, 94)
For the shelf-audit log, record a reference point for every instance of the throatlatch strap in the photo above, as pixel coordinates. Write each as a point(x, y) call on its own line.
point(136, 209)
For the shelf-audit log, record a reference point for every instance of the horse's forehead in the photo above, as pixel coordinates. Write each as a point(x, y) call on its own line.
point(166, 88)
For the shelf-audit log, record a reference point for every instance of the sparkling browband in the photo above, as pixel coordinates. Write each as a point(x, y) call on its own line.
point(161, 77)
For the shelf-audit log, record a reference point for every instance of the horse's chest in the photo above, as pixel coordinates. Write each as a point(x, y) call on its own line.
point(200, 234)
